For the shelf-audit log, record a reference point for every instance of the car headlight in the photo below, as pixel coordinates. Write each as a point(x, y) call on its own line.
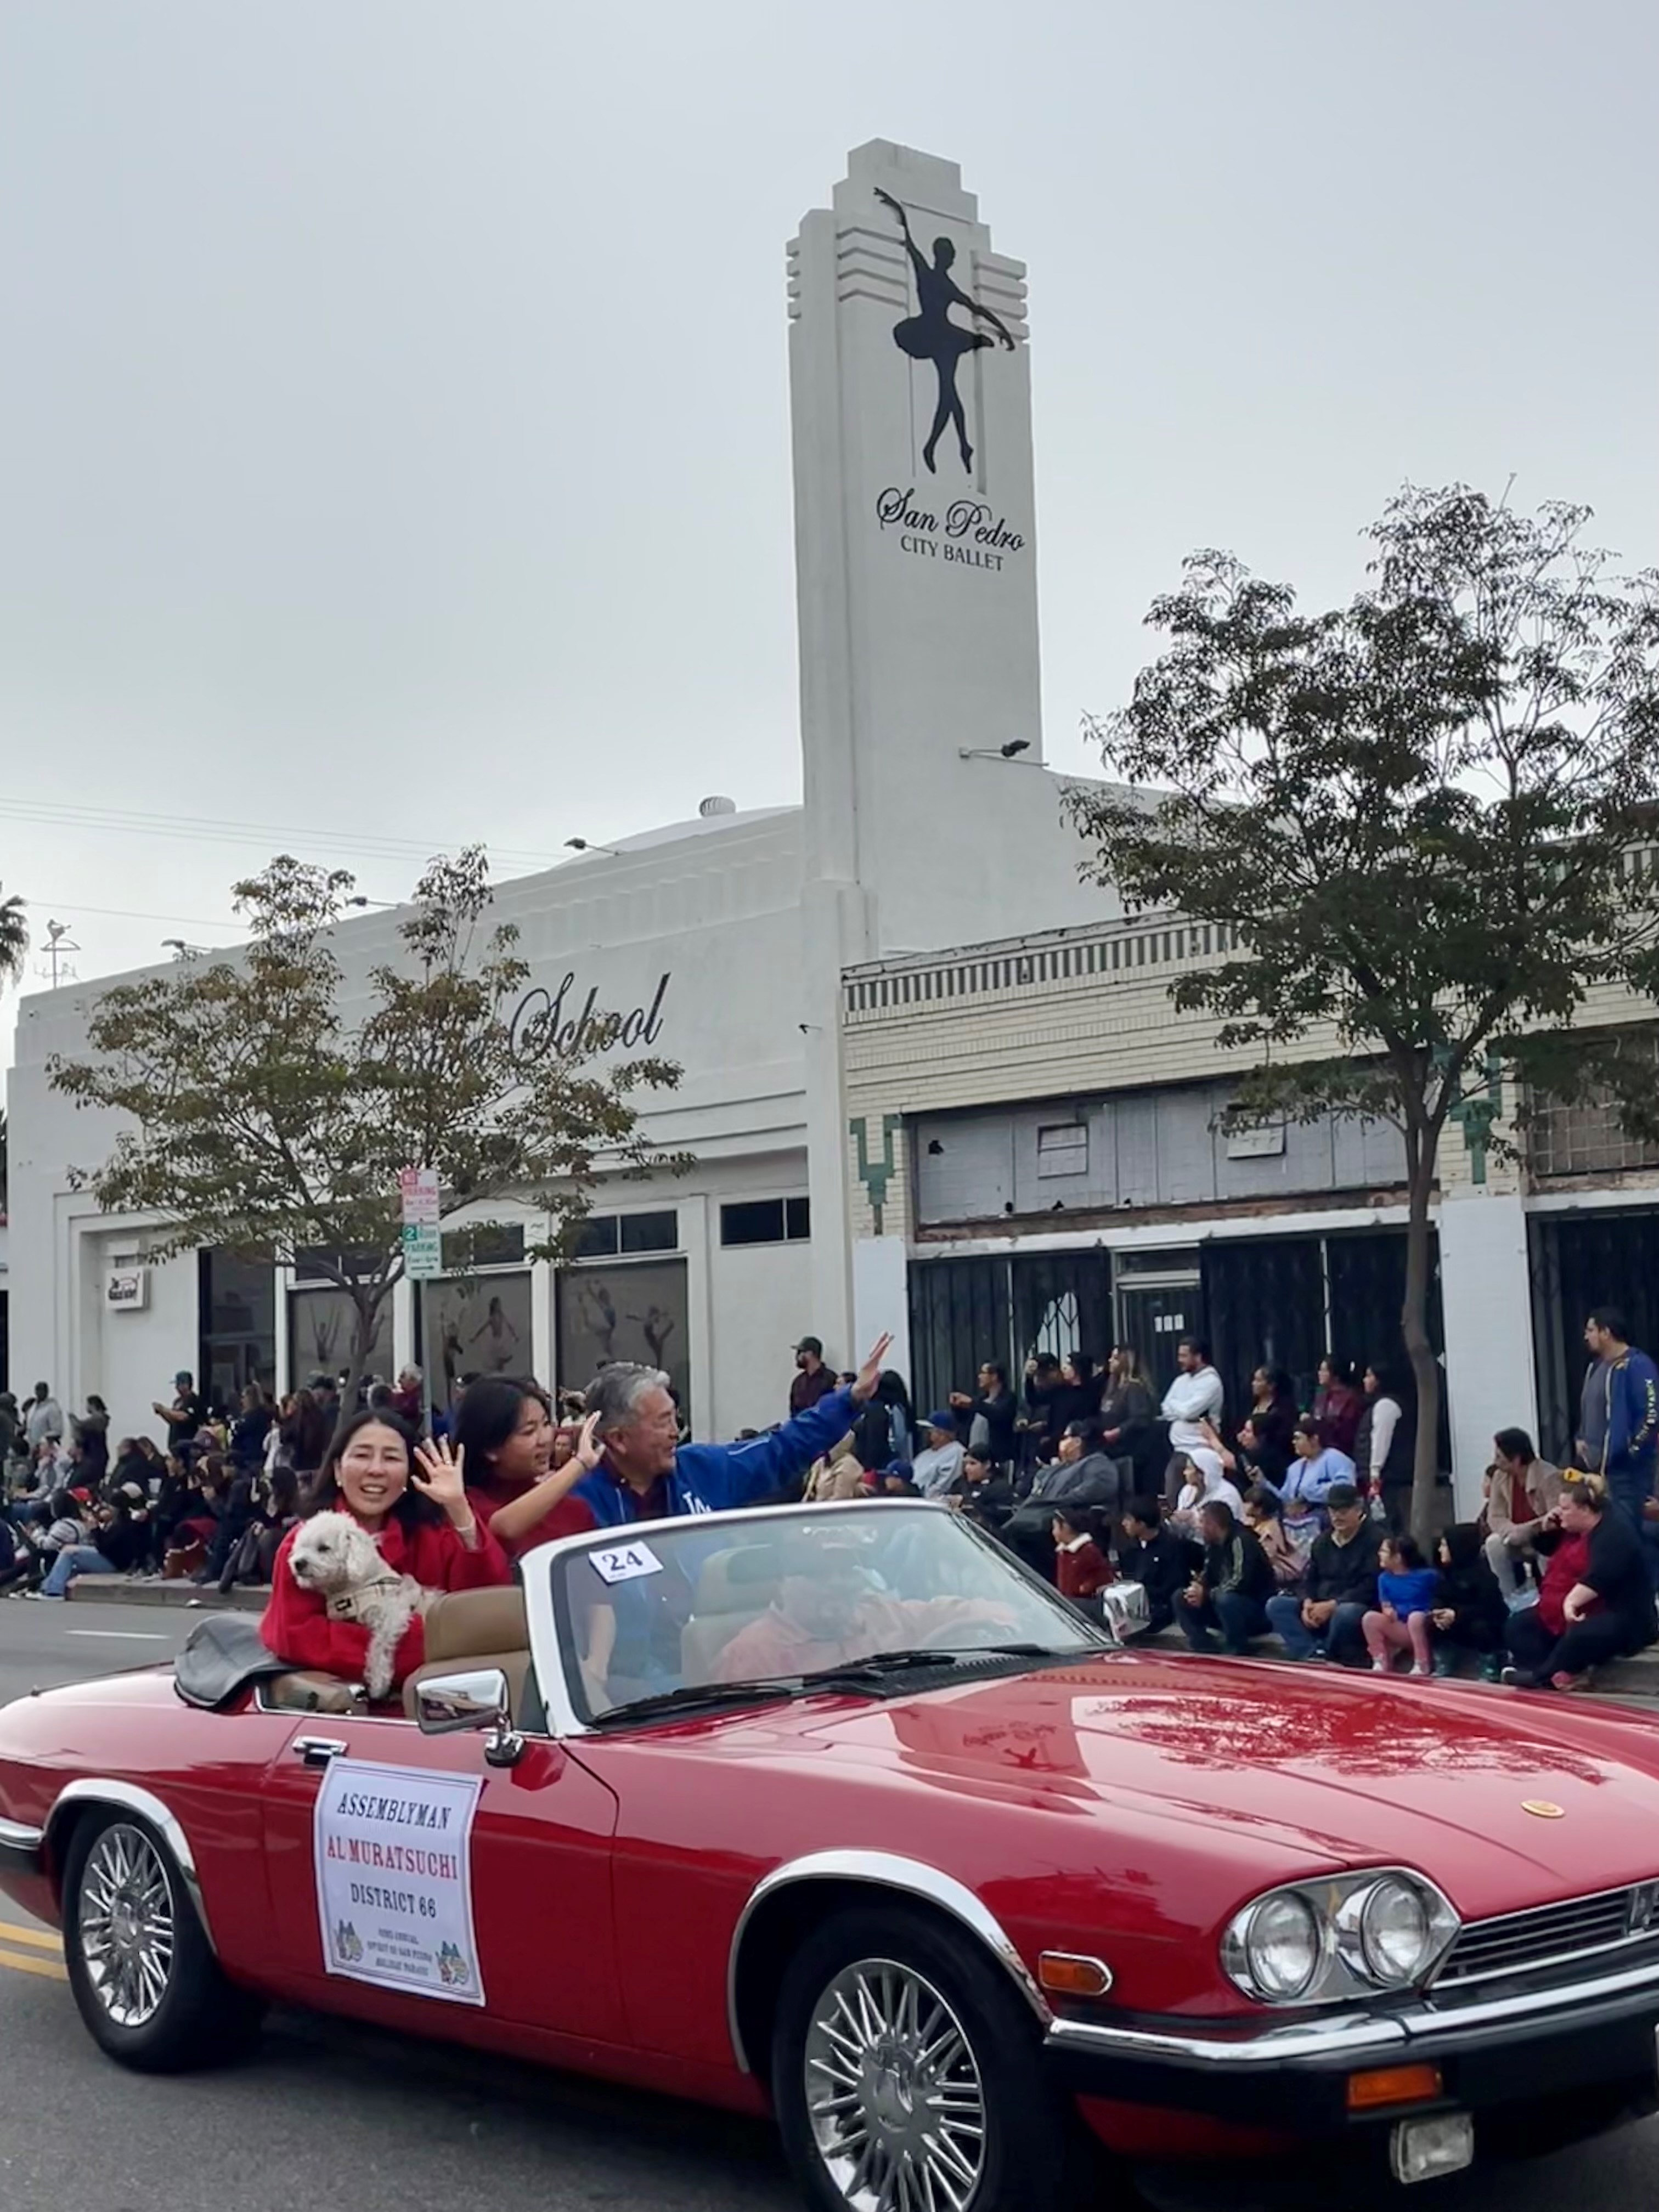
point(1395, 1927)
point(1312, 1942)
point(1277, 1947)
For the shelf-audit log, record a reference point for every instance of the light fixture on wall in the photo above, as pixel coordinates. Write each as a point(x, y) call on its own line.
point(1011, 751)
point(581, 845)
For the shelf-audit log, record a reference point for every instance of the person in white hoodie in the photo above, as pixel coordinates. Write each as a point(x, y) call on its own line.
point(1194, 1398)
point(1204, 1482)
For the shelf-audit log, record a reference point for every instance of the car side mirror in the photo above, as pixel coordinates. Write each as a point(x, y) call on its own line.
point(478, 1701)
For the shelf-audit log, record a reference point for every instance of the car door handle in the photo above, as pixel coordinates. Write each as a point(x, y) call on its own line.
point(317, 1750)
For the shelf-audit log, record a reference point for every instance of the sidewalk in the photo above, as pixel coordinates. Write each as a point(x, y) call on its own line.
point(115, 1589)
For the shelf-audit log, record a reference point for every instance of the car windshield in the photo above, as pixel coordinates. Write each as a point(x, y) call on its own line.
point(681, 1612)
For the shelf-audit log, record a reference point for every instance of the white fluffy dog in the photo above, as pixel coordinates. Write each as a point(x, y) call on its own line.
point(341, 1561)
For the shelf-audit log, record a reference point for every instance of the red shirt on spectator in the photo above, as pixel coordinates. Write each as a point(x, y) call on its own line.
point(295, 1624)
point(1082, 1569)
point(805, 1390)
point(1566, 1566)
point(1338, 1410)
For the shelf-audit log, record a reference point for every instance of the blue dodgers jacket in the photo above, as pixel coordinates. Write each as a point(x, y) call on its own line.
point(710, 1478)
point(1632, 1403)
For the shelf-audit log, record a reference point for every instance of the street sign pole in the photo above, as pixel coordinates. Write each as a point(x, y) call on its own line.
point(422, 1211)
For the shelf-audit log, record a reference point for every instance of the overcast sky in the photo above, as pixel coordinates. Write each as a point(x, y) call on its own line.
point(393, 433)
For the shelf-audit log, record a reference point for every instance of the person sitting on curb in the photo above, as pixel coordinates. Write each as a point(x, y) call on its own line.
point(1596, 1603)
point(1468, 1607)
point(1522, 1490)
point(1230, 1591)
point(1081, 1566)
point(1325, 1621)
point(1402, 1620)
point(1265, 1518)
point(1160, 1559)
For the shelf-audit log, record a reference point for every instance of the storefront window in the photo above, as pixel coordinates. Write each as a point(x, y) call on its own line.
point(238, 1309)
point(636, 1311)
point(320, 1326)
point(478, 1325)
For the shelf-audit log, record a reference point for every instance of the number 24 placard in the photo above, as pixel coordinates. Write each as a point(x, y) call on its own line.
point(624, 1563)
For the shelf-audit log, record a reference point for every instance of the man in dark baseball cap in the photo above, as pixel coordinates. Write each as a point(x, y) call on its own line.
point(184, 1417)
point(813, 1380)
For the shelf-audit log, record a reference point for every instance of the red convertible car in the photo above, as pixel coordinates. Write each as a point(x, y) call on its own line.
point(836, 1813)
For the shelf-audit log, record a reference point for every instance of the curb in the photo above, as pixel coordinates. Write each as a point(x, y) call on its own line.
point(111, 1589)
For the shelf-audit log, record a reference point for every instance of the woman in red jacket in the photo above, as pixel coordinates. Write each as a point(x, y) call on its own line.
point(504, 1431)
point(414, 1503)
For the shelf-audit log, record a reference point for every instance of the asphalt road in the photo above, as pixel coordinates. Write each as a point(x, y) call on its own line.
point(43, 1644)
point(330, 2115)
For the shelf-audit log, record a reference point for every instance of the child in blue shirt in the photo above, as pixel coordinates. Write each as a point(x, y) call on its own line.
point(1405, 1596)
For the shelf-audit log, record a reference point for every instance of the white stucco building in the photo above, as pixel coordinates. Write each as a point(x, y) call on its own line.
point(919, 664)
point(932, 1083)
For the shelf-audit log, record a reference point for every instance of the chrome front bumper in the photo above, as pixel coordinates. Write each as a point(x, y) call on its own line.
point(1501, 2050)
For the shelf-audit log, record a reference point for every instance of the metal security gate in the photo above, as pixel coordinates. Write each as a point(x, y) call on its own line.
point(1281, 1301)
point(964, 1311)
point(1579, 1261)
point(1265, 1299)
point(1062, 1303)
point(960, 1314)
point(1285, 1301)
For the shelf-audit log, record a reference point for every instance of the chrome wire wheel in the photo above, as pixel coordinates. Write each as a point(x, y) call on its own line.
point(125, 1918)
point(894, 2094)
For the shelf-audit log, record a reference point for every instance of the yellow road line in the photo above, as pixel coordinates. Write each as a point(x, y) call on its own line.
point(48, 1969)
point(36, 1939)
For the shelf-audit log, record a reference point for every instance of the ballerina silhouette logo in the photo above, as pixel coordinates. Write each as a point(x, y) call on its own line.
point(931, 335)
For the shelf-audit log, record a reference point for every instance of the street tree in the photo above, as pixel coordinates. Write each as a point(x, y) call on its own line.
point(269, 1105)
point(1416, 823)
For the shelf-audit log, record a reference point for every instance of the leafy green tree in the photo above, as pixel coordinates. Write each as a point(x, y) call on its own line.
point(1416, 820)
point(270, 1108)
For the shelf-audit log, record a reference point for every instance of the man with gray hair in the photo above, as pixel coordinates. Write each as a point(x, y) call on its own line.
point(408, 1396)
point(645, 1473)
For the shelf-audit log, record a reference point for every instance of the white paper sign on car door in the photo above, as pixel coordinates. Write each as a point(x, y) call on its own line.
point(393, 1849)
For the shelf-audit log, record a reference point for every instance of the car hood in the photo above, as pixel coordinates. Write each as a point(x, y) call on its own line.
point(1506, 1800)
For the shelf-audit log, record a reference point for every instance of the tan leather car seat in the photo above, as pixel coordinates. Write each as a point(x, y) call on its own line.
point(466, 1630)
point(303, 1693)
point(734, 1588)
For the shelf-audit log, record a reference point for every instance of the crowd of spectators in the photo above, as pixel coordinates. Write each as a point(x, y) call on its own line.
point(212, 1506)
point(1284, 1528)
point(1286, 1531)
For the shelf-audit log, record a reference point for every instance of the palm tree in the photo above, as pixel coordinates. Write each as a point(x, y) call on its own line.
point(14, 940)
